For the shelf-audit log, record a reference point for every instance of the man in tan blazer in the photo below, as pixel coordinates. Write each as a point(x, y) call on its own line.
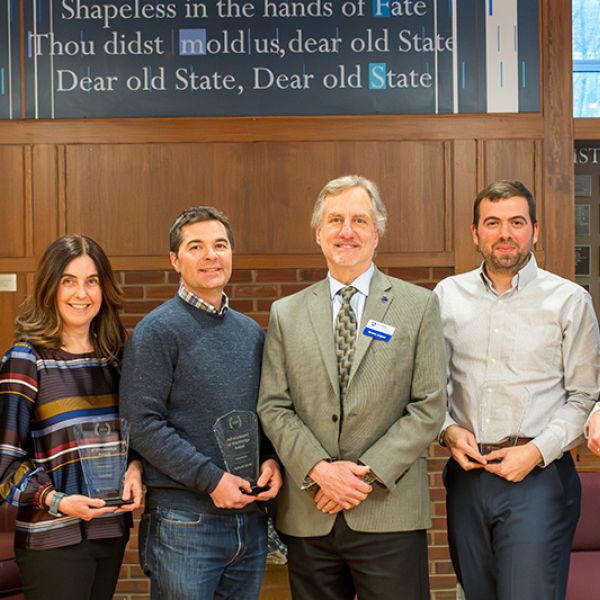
point(352, 394)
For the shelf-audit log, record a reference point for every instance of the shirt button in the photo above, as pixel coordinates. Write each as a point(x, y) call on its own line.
point(334, 418)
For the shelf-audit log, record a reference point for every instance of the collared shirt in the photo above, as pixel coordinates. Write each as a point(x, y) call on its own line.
point(197, 302)
point(522, 363)
point(357, 302)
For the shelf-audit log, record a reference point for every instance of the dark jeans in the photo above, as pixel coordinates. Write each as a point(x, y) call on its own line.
point(512, 540)
point(201, 556)
point(374, 566)
point(86, 571)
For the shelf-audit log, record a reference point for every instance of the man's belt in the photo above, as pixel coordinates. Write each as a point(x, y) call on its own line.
point(509, 443)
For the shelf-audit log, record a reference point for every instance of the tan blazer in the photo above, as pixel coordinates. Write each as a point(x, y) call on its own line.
point(394, 409)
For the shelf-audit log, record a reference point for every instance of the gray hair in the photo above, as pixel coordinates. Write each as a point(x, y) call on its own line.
point(341, 184)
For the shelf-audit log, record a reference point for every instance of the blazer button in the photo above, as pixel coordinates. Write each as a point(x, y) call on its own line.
point(334, 418)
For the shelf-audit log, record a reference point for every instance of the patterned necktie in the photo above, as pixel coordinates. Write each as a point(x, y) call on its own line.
point(345, 338)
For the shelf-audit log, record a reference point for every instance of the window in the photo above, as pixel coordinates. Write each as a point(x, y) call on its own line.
point(586, 58)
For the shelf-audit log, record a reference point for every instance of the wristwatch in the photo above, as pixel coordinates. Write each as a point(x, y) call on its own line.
point(53, 508)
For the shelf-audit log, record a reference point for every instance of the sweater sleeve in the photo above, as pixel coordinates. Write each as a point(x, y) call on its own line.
point(20, 479)
point(146, 379)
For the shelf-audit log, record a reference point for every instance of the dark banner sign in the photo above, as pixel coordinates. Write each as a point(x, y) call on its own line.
point(141, 58)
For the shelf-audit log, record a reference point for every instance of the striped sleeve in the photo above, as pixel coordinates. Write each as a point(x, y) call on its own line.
point(19, 478)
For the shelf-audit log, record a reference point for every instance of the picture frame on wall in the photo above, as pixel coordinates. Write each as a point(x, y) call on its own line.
point(583, 186)
point(583, 260)
point(583, 218)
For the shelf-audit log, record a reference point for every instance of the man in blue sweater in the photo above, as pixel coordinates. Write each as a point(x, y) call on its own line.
point(189, 362)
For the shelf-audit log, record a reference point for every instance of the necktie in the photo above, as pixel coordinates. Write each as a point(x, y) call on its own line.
point(345, 338)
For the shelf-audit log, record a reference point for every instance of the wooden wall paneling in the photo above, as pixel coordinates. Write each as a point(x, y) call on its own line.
point(464, 186)
point(126, 196)
point(282, 129)
point(448, 199)
point(539, 190)
point(14, 198)
point(586, 129)
point(480, 165)
point(270, 188)
point(61, 175)
point(412, 183)
point(510, 159)
point(28, 200)
point(45, 192)
point(9, 305)
point(280, 208)
point(558, 178)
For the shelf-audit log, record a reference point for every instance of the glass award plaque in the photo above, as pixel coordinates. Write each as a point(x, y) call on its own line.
point(238, 439)
point(103, 449)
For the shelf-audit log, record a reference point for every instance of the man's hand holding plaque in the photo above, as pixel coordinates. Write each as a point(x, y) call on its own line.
point(246, 480)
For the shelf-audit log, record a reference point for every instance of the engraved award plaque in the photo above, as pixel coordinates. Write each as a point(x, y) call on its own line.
point(103, 449)
point(238, 439)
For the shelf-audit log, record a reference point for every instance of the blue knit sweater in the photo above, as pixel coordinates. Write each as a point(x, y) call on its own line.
point(183, 368)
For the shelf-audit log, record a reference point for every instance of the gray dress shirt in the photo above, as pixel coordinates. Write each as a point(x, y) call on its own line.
point(523, 363)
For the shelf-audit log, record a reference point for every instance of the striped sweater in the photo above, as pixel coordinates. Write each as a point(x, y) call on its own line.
point(43, 395)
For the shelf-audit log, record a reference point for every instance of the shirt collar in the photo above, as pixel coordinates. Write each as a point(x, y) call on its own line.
point(197, 302)
point(524, 276)
point(361, 283)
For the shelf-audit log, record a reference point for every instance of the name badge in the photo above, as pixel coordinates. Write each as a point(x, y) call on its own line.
point(379, 331)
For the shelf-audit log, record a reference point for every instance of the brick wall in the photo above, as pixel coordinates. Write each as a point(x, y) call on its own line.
point(252, 292)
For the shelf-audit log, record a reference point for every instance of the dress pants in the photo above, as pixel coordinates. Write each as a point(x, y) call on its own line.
point(512, 540)
point(85, 571)
point(374, 566)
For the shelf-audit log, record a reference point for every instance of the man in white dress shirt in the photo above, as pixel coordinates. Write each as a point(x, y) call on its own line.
point(522, 349)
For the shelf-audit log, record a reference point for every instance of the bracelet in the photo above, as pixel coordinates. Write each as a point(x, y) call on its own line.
point(38, 498)
point(53, 508)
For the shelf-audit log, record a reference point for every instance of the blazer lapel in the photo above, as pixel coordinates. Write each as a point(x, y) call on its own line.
point(378, 302)
point(321, 317)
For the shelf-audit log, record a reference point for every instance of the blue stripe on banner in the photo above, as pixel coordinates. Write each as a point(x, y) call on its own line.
point(491, 7)
point(40, 14)
point(29, 44)
point(450, 8)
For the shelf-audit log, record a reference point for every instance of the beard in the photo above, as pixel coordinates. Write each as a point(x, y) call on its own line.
point(507, 264)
